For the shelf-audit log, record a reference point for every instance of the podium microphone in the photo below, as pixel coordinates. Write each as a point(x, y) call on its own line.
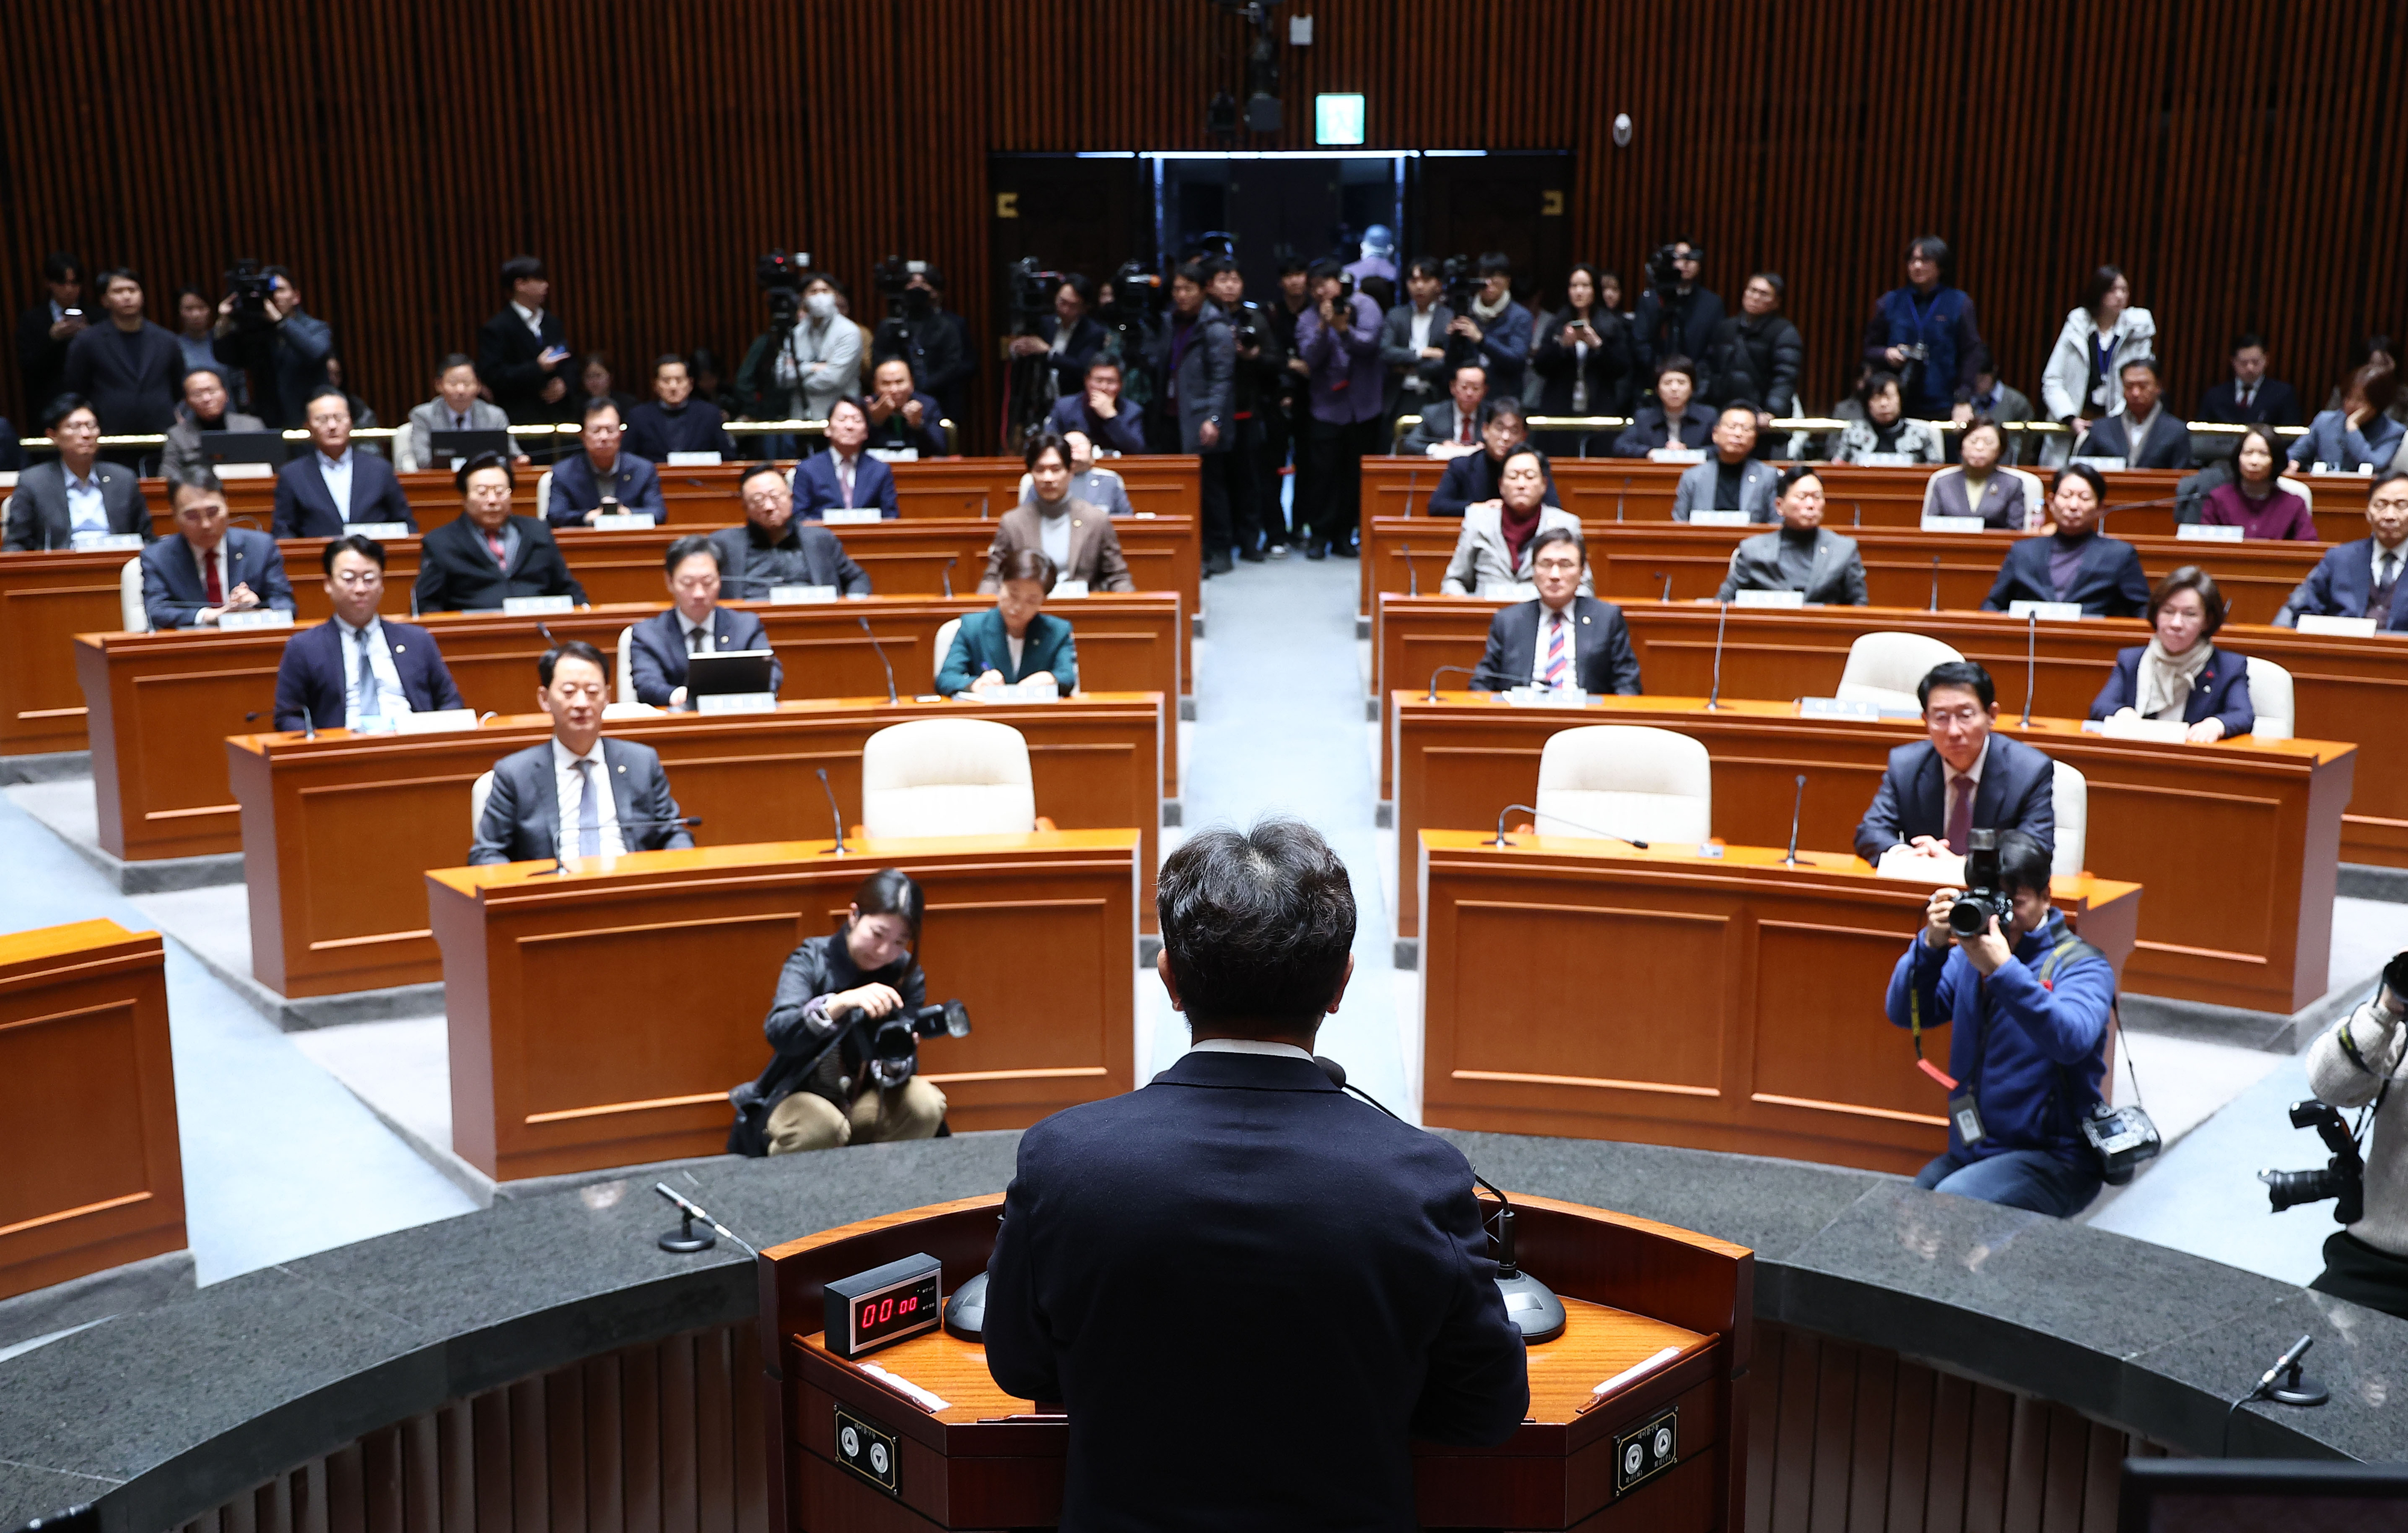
point(835, 815)
point(946, 574)
point(1411, 574)
point(2031, 661)
point(1460, 670)
point(1667, 593)
point(1796, 805)
point(684, 1239)
point(1935, 583)
point(882, 658)
point(1529, 1304)
point(308, 720)
point(1559, 820)
point(1715, 698)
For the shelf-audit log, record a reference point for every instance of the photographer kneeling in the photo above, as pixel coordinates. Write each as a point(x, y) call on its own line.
point(818, 1092)
point(2029, 1004)
point(2354, 1064)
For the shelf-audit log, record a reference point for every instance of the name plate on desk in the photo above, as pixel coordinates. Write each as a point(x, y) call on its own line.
point(628, 711)
point(1886, 460)
point(851, 516)
point(1020, 692)
point(1718, 519)
point(1768, 598)
point(8, 478)
point(2201, 532)
point(737, 702)
point(1837, 708)
point(379, 530)
point(2334, 470)
point(105, 542)
point(1070, 588)
point(2105, 466)
point(893, 454)
point(2311, 623)
point(1508, 591)
point(624, 521)
point(258, 617)
point(244, 470)
point(2052, 611)
point(2134, 727)
point(1954, 524)
point(1533, 697)
point(800, 595)
point(1667, 454)
point(692, 459)
point(536, 607)
point(441, 721)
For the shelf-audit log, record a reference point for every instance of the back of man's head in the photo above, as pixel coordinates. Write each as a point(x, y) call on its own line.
point(1256, 927)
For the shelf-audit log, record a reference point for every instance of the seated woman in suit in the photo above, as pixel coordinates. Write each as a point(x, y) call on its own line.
point(2360, 430)
point(1016, 642)
point(2255, 500)
point(1980, 488)
point(1886, 429)
point(1804, 554)
point(2178, 674)
point(1493, 547)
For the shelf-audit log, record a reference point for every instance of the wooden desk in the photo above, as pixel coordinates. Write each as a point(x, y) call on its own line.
point(336, 832)
point(94, 1170)
point(1740, 1008)
point(160, 702)
point(2237, 843)
point(2344, 688)
point(1630, 1286)
point(601, 1019)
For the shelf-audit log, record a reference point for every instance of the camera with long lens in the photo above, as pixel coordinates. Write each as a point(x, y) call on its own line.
point(1664, 269)
point(1032, 288)
point(2344, 1177)
point(251, 337)
point(781, 275)
point(891, 1053)
point(893, 278)
point(1983, 900)
point(1462, 279)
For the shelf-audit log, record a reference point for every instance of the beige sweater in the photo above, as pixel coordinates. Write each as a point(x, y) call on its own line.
point(2382, 1042)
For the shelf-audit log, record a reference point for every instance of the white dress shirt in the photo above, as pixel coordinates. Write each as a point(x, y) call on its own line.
point(1571, 645)
point(87, 509)
point(1249, 1046)
point(531, 318)
point(391, 702)
point(336, 472)
point(572, 785)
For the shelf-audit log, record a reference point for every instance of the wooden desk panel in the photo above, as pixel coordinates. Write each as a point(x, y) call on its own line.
point(1169, 485)
point(337, 832)
point(600, 1020)
point(94, 1173)
point(1745, 1014)
point(44, 598)
point(2237, 843)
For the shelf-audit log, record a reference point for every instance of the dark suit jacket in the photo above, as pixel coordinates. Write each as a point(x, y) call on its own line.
point(38, 518)
point(1123, 432)
point(172, 591)
point(305, 510)
point(653, 433)
point(809, 554)
point(2107, 584)
point(2221, 691)
point(1069, 364)
point(1602, 660)
point(133, 384)
point(458, 573)
point(506, 360)
point(1241, 1194)
point(2276, 403)
point(2168, 445)
point(1471, 477)
point(981, 645)
point(522, 819)
point(40, 359)
point(575, 492)
point(2018, 791)
point(815, 486)
point(656, 652)
point(309, 679)
point(2338, 587)
point(928, 439)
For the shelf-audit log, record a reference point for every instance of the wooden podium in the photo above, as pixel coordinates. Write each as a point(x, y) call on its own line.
point(987, 1460)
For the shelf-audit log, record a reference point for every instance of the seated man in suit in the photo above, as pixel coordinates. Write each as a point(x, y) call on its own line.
point(1077, 536)
point(205, 409)
point(901, 418)
point(321, 493)
point(1730, 479)
point(576, 795)
point(1098, 411)
point(1474, 478)
point(1100, 487)
point(2249, 397)
point(486, 555)
point(844, 476)
point(773, 548)
point(2146, 434)
point(674, 421)
point(1238, 1191)
point(2355, 579)
point(1562, 639)
point(2077, 563)
point(208, 566)
point(1804, 555)
point(355, 665)
point(1963, 778)
point(1016, 641)
point(696, 624)
point(74, 494)
point(1450, 426)
point(457, 406)
point(603, 476)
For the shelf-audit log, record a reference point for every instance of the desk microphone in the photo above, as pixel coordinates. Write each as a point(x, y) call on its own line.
point(1666, 576)
point(983, 512)
point(835, 815)
point(684, 1239)
point(545, 629)
point(1529, 1304)
point(1796, 805)
point(1412, 483)
point(308, 720)
point(2137, 506)
point(1618, 493)
point(882, 658)
point(1533, 811)
point(1715, 698)
point(1855, 514)
point(1935, 583)
point(1411, 574)
point(2031, 660)
point(946, 574)
point(1460, 670)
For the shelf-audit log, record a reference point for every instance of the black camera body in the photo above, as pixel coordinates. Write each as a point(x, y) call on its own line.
point(894, 276)
point(251, 287)
point(1664, 269)
point(1462, 278)
point(1983, 898)
point(891, 1052)
point(2122, 1137)
point(781, 275)
point(2344, 1177)
point(1032, 288)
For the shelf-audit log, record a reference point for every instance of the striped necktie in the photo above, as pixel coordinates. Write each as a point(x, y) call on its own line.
point(1558, 662)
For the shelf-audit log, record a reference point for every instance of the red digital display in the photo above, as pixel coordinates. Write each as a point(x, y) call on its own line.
point(897, 1309)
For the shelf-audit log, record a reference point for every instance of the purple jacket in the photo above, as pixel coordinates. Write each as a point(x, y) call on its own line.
point(1347, 375)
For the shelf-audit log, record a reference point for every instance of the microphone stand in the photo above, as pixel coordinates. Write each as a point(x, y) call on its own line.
point(1618, 494)
point(1935, 583)
point(560, 858)
point(835, 815)
point(1412, 483)
point(1796, 805)
point(946, 574)
point(2031, 660)
point(1460, 670)
point(1502, 840)
point(1715, 698)
point(1411, 574)
point(882, 659)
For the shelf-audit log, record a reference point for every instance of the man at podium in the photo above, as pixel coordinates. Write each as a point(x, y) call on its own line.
point(1249, 1292)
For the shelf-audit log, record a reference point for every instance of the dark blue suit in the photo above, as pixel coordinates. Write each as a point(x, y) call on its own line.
point(305, 510)
point(1602, 661)
point(2108, 582)
point(310, 680)
point(2018, 791)
point(927, 439)
point(1123, 432)
point(172, 593)
point(656, 651)
point(2221, 691)
point(1251, 1292)
point(815, 486)
point(575, 491)
point(2340, 585)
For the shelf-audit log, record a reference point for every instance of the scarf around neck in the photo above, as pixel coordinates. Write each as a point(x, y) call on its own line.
point(1517, 533)
point(2166, 680)
point(1484, 312)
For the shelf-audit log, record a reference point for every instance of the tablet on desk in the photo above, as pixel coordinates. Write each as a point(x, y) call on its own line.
point(224, 447)
point(457, 447)
point(727, 671)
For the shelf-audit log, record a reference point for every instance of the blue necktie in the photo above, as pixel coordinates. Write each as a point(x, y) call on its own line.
point(371, 697)
point(589, 813)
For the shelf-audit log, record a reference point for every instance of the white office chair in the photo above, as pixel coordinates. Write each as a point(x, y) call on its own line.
point(2300, 488)
point(947, 777)
point(1624, 780)
point(625, 691)
point(945, 631)
point(2035, 497)
point(130, 611)
point(2072, 794)
point(478, 792)
point(2270, 696)
point(543, 497)
point(1884, 668)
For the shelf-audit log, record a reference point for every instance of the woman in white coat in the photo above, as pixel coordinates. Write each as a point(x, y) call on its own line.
point(2082, 382)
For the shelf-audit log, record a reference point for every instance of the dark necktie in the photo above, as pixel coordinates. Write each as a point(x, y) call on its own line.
point(693, 640)
point(1960, 812)
point(212, 589)
point(2387, 575)
point(589, 811)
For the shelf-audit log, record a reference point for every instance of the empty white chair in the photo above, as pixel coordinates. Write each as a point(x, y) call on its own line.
point(1884, 668)
point(2072, 791)
point(543, 497)
point(130, 609)
point(947, 777)
point(478, 792)
point(2300, 488)
point(2269, 698)
point(625, 691)
point(1624, 780)
point(945, 631)
point(2035, 497)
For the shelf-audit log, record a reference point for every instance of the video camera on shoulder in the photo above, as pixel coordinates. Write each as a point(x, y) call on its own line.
point(892, 1054)
point(1983, 899)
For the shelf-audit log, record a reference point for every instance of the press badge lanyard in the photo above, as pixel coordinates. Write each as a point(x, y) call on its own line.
point(1964, 1112)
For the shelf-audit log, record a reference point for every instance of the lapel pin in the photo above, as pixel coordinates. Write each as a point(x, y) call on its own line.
point(399, 648)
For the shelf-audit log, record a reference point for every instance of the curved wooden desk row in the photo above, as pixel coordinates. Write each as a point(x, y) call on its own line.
point(160, 702)
point(1631, 1287)
point(601, 1018)
point(339, 831)
point(2237, 843)
point(46, 599)
point(2344, 688)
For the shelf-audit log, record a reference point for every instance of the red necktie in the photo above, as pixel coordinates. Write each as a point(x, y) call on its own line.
point(1463, 430)
point(1961, 813)
point(212, 589)
point(501, 550)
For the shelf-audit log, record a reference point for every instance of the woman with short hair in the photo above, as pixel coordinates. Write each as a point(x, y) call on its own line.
point(2254, 498)
point(1015, 641)
point(1979, 486)
point(2178, 674)
point(1886, 430)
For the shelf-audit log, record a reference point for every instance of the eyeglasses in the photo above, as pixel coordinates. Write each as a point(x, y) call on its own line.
point(1968, 715)
point(357, 576)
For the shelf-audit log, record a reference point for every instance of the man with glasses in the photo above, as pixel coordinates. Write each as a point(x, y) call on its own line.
point(772, 549)
point(576, 795)
point(2358, 580)
point(208, 567)
point(603, 477)
point(489, 555)
point(1937, 793)
point(357, 669)
point(1563, 638)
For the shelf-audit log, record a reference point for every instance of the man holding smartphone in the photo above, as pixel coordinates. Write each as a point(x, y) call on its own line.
point(521, 352)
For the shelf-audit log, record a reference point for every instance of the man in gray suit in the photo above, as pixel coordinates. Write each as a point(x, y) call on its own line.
point(208, 567)
point(456, 406)
point(74, 492)
point(205, 403)
point(576, 795)
point(1731, 480)
point(1450, 426)
point(1804, 555)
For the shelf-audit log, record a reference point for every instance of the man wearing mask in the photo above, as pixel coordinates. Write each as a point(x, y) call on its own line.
point(673, 420)
point(1076, 535)
point(773, 548)
point(602, 476)
point(1678, 318)
point(208, 566)
point(334, 484)
point(901, 418)
point(1498, 325)
point(128, 368)
point(1339, 342)
point(521, 354)
point(696, 623)
point(207, 408)
point(1195, 355)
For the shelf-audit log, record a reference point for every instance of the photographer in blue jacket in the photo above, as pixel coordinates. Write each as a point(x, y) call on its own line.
point(2028, 1004)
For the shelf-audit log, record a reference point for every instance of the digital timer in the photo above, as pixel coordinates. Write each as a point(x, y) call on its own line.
point(868, 1310)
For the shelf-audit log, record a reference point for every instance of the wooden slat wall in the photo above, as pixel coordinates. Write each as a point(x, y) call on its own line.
point(394, 154)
